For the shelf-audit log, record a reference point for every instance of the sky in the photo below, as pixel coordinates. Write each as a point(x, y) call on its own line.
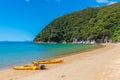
point(22, 20)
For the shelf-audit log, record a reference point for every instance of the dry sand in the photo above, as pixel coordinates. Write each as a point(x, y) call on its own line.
point(99, 64)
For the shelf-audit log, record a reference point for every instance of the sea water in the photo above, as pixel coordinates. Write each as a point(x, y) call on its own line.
point(18, 53)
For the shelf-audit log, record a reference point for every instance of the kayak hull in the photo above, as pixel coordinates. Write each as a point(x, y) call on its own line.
point(25, 68)
point(47, 62)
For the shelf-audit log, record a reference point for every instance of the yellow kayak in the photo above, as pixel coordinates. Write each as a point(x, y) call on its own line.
point(47, 62)
point(26, 67)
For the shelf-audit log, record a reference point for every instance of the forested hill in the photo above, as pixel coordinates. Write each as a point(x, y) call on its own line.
point(98, 24)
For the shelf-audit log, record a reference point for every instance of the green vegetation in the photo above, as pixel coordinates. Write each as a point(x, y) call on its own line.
point(98, 24)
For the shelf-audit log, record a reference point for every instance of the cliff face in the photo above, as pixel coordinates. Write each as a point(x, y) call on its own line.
point(98, 24)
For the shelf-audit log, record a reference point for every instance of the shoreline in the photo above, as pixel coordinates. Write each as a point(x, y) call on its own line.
point(68, 59)
point(60, 56)
point(80, 52)
point(84, 42)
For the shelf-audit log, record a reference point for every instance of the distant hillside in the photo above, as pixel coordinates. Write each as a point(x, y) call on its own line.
point(98, 24)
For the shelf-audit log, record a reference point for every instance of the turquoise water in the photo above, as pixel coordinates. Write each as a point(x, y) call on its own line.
point(14, 53)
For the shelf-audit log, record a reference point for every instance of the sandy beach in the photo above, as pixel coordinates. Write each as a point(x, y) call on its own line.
point(98, 64)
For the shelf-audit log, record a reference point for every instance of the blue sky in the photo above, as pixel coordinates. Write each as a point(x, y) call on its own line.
point(22, 20)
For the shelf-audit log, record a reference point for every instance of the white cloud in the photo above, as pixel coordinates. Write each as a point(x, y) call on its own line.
point(106, 1)
point(112, 2)
point(102, 1)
